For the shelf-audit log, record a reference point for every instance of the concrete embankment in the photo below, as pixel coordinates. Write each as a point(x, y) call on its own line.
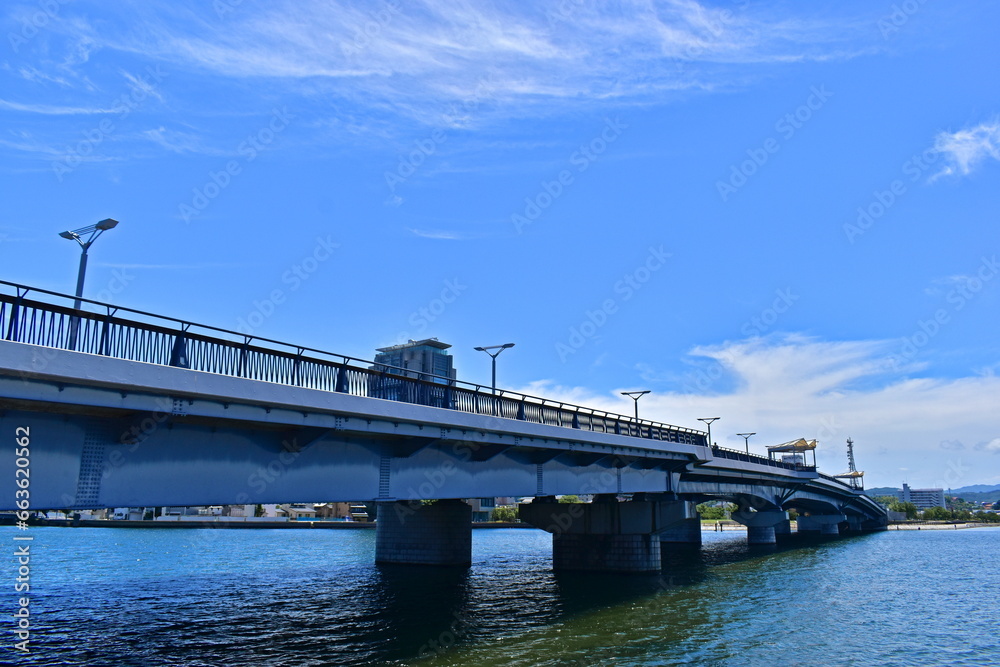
point(940, 525)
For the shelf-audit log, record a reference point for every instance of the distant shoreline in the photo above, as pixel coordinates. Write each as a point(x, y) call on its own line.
point(937, 525)
point(239, 525)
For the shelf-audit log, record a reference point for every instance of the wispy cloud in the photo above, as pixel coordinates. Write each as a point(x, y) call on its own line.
point(175, 267)
point(176, 141)
point(49, 110)
point(796, 386)
point(438, 234)
point(966, 149)
point(429, 59)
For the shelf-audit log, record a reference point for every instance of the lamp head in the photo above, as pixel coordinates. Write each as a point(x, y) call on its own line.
point(72, 236)
point(107, 223)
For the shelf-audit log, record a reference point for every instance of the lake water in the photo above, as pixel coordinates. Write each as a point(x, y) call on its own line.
point(102, 596)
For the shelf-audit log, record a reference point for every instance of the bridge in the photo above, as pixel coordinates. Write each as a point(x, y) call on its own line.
point(120, 407)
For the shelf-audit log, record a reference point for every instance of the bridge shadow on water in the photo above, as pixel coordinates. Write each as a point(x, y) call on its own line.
point(429, 611)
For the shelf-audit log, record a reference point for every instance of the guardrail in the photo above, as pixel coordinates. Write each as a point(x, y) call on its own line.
point(102, 329)
point(736, 455)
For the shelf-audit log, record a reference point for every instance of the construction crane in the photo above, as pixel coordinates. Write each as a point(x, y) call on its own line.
point(854, 476)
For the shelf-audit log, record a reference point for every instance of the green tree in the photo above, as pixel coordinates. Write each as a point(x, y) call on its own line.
point(504, 513)
point(259, 510)
point(569, 499)
point(907, 508)
point(713, 511)
point(886, 500)
point(937, 514)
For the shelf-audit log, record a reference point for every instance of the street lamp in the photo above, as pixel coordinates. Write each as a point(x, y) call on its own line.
point(494, 355)
point(746, 439)
point(635, 396)
point(90, 233)
point(709, 420)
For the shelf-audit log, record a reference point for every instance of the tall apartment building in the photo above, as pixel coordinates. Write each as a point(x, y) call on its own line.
point(424, 360)
point(922, 498)
point(418, 358)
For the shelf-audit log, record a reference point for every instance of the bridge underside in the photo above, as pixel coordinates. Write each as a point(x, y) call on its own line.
point(147, 435)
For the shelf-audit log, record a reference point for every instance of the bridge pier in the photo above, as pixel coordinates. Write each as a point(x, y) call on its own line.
point(607, 535)
point(782, 530)
point(416, 534)
point(824, 524)
point(687, 531)
point(761, 525)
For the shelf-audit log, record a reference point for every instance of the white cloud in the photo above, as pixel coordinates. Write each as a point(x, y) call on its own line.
point(794, 386)
point(448, 63)
point(49, 110)
point(967, 149)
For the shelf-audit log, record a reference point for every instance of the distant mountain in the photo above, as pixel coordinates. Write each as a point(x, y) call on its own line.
point(974, 488)
point(977, 488)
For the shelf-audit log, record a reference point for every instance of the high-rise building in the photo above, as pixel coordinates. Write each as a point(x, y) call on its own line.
point(424, 360)
point(922, 498)
point(419, 359)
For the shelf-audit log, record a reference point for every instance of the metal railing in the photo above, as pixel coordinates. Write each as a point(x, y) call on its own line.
point(737, 455)
point(124, 333)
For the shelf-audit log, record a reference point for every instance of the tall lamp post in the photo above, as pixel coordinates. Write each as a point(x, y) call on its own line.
point(709, 420)
point(746, 439)
point(635, 396)
point(85, 236)
point(494, 355)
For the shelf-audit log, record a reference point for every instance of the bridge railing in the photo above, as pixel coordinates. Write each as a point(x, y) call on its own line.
point(737, 455)
point(124, 333)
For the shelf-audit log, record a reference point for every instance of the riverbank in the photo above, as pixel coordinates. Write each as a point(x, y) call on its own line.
point(238, 525)
point(940, 525)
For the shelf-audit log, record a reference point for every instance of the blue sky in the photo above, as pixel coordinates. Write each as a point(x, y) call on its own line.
point(779, 213)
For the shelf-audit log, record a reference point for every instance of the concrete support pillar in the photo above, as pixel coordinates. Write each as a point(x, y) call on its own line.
point(686, 532)
point(761, 535)
point(760, 525)
point(783, 530)
point(606, 553)
point(607, 535)
point(824, 524)
point(436, 534)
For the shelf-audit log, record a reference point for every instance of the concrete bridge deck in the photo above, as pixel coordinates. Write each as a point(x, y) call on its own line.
point(146, 411)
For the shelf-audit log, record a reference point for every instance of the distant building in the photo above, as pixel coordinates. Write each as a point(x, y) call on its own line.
point(297, 511)
point(922, 498)
point(424, 360)
point(353, 511)
point(482, 508)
